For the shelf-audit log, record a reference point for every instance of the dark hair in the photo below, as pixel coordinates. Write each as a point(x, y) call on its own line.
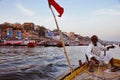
point(94, 37)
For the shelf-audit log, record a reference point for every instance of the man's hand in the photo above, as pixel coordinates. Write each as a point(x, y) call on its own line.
point(94, 59)
point(110, 47)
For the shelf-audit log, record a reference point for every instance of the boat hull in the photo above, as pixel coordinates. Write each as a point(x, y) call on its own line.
point(81, 73)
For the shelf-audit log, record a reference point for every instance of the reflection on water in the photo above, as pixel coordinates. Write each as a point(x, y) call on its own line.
point(39, 63)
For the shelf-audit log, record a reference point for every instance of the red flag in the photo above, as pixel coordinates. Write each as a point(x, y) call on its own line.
point(59, 9)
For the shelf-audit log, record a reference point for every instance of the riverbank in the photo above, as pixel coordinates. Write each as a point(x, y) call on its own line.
point(45, 42)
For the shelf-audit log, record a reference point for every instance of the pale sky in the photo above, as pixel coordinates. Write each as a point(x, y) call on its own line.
point(84, 17)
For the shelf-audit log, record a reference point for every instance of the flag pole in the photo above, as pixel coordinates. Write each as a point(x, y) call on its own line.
point(63, 43)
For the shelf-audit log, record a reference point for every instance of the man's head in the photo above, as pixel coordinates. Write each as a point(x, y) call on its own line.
point(94, 39)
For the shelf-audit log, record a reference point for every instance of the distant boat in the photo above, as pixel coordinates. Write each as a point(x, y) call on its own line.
point(12, 43)
point(53, 43)
point(83, 44)
point(59, 44)
point(31, 44)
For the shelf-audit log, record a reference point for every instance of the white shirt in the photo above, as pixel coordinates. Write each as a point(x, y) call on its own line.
point(96, 51)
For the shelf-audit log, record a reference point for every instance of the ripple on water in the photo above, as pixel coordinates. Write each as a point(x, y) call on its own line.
point(39, 63)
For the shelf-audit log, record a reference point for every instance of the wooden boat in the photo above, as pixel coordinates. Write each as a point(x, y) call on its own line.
point(100, 73)
point(31, 44)
point(54, 43)
point(12, 43)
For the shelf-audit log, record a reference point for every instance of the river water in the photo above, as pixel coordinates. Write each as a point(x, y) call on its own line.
point(40, 63)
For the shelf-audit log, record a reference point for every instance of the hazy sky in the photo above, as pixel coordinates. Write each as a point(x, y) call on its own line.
point(84, 17)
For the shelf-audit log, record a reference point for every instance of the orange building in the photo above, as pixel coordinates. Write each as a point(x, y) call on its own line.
point(28, 26)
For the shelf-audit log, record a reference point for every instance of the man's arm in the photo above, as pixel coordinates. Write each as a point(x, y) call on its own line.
point(94, 59)
point(89, 48)
point(110, 47)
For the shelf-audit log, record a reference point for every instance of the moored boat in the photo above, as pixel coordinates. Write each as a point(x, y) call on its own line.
point(100, 73)
point(12, 43)
point(31, 44)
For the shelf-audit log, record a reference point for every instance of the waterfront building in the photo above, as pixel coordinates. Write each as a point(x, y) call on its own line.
point(29, 27)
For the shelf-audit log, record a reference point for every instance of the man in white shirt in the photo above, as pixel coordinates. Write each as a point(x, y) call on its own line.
point(96, 56)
